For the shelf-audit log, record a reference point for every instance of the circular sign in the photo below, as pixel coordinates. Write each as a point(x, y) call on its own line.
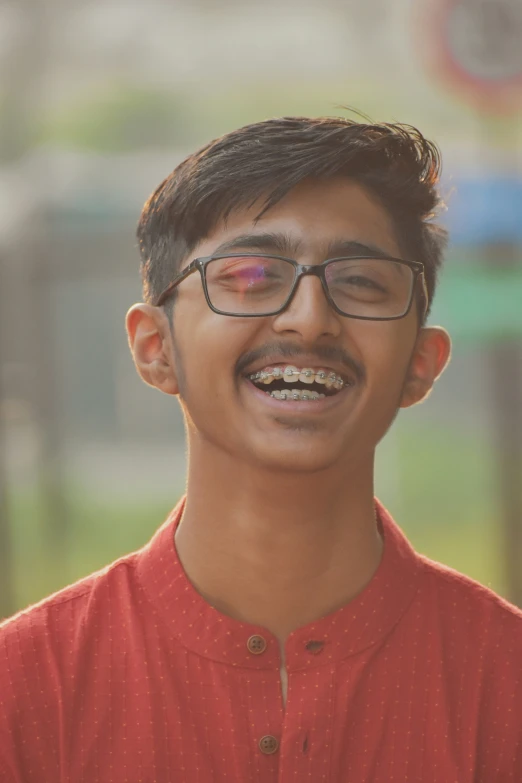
point(475, 46)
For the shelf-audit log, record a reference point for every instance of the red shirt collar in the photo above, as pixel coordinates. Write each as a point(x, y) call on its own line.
point(190, 621)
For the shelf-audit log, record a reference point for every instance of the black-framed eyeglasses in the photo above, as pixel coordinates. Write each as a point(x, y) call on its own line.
point(255, 284)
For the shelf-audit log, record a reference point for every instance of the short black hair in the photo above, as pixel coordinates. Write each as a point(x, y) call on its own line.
point(265, 160)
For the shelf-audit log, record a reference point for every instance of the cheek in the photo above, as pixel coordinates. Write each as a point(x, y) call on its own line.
point(386, 362)
point(208, 346)
point(386, 350)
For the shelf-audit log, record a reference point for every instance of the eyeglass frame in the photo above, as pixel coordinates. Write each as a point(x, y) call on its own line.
point(301, 270)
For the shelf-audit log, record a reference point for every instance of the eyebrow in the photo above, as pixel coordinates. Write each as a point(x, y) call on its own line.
point(284, 244)
point(281, 244)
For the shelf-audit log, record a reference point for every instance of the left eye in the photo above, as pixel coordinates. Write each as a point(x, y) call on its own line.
point(360, 281)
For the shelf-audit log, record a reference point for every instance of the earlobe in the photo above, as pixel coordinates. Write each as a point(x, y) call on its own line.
point(430, 358)
point(151, 347)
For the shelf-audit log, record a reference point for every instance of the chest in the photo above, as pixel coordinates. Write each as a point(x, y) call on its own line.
point(364, 721)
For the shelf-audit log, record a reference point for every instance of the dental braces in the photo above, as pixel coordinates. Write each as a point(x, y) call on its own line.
point(329, 379)
point(296, 394)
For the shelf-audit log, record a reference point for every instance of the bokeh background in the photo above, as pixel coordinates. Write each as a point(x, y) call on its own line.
point(99, 100)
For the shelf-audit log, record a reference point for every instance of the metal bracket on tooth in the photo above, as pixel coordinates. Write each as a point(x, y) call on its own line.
point(334, 379)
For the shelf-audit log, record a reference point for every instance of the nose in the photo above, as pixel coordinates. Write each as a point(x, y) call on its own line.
point(309, 313)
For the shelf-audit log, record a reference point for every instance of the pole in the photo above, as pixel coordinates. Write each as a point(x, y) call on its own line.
point(28, 261)
point(45, 391)
point(7, 604)
point(504, 363)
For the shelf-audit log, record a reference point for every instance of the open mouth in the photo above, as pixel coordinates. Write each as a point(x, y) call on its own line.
point(298, 384)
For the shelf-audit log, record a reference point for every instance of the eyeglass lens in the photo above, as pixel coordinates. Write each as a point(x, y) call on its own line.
point(361, 287)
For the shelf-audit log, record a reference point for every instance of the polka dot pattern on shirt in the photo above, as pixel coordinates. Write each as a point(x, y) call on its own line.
point(129, 676)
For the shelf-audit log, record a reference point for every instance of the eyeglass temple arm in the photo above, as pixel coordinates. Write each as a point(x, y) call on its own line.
point(424, 290)
point(162, 298)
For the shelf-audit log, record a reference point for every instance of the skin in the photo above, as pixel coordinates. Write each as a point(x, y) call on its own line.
point(279, 525)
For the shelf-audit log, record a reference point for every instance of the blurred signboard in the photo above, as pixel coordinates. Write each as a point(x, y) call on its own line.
point(479, 298)
point(475, 48)
point(484, 209)
point(478, 303)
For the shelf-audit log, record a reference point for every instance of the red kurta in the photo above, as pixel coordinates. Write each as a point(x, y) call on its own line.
point(129, 676)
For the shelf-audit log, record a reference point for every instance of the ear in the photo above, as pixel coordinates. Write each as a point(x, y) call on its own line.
point(430, 357)
point(150, 342)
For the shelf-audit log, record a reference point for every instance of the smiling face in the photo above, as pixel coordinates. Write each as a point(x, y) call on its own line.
point(213, 361)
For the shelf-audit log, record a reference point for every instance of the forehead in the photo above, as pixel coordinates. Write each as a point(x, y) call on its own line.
point(313, 216)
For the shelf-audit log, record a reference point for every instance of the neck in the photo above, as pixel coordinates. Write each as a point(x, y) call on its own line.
point(277, 550)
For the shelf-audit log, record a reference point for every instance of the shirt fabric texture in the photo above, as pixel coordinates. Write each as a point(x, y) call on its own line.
point(130, 676)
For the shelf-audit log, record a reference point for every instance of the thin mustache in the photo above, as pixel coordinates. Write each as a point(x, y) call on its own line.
point(324, 353)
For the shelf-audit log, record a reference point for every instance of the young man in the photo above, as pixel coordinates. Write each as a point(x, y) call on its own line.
point(279, 626)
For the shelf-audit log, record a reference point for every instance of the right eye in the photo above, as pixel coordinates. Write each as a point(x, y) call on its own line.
point(250, 272)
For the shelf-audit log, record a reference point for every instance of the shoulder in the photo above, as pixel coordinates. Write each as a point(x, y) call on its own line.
point(92, 617)
point(52, 627)
point(465, 594)
point(479, 638)
point(472, 615)
point(49, 654)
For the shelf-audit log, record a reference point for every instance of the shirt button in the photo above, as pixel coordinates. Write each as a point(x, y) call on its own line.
point(268, 744)
point(256, 645)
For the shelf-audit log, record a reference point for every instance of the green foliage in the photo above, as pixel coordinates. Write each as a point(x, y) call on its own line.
point(123, 119)
point(99, 531)
point(449, 502)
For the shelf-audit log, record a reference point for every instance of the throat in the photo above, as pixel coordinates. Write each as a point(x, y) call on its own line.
point(279, 559)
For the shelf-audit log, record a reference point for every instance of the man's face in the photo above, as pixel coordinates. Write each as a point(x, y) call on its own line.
point(213, 355)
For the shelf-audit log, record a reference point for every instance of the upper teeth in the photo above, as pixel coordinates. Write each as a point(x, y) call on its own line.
point(306, 375)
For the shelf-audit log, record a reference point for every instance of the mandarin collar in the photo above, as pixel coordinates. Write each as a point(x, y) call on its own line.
point(185, 617)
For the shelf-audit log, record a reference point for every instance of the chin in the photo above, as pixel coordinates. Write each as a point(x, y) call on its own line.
point(297, 459)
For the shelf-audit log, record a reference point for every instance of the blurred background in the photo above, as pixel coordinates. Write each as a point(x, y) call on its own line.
point(99, 101)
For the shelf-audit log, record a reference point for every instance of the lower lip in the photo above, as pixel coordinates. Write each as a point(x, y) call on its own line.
point(299, 406)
